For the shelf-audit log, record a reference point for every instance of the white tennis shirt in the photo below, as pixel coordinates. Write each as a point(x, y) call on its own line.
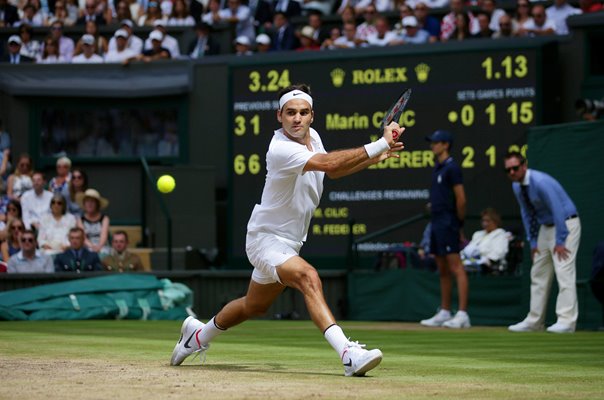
point(290, 195)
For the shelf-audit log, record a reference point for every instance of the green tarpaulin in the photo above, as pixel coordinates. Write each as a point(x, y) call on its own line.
point(127, 296)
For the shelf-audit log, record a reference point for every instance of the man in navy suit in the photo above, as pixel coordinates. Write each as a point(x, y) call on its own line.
point(8, 14)
point(77, 258)
point(284, 36)
point(14, 56)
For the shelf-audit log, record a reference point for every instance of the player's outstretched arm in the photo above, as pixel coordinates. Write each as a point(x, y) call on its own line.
point(339, 163)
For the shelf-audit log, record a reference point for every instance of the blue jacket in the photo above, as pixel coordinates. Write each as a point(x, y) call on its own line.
point(552, 205)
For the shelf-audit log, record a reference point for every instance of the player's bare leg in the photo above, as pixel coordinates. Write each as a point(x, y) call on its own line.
point(196, 336)
point(300, 275)
point(256, 302)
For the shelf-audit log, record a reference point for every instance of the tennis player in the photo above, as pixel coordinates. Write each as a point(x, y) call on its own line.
point(296, 163)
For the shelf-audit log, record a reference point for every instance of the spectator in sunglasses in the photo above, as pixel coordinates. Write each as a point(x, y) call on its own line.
point(29, 259)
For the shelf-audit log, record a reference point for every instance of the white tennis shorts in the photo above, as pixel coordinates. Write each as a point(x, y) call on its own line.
point(266, 252)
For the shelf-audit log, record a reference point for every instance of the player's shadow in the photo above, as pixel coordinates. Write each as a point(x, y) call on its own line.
point(270, 368)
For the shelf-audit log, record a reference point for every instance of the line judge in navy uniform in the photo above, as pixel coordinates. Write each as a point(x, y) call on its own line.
point(553, 229)
point(448, 210)
point(77, 258)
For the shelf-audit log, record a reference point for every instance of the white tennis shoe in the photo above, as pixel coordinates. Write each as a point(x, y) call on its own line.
point(524, 327)
point(188, 342)
point(438, 319)
point(357, 361)
point(459, 321)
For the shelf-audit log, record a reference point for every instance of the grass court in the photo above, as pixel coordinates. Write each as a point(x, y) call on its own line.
point(291, 360)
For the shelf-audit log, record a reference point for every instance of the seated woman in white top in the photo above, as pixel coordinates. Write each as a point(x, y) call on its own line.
point(488, 246)
point(55, 226)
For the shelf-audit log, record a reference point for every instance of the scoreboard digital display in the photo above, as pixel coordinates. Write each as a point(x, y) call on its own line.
point(487, 97)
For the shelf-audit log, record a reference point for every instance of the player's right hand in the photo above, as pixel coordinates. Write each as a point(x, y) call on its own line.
point(393, 133)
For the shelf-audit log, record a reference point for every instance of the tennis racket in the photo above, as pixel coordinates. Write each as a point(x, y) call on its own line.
point(395, 111)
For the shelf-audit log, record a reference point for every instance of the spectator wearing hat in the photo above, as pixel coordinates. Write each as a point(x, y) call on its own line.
point(411, 32)
point(87, 56)
point(133, 42)
point(239, 15)
point(35, 202)
point(77, 258)
point(168, 42)
point(94, 223)
point(121, 52)
point(14, 55)
point(29, 260)
point(8, 14)
point(284, 36)
point(29, 47)
point(91, 14)
point(307, 39)
point(60, 182)
point(243, 46)
point(100, 43)
point(156, 52)
point(65, 45)
point(383, 35)
point(263, 43)
point(203, 44)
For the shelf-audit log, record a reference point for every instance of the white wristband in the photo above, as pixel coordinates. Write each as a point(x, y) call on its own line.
point(376, 148)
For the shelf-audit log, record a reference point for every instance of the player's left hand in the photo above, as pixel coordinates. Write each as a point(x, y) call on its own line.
point(562, 252)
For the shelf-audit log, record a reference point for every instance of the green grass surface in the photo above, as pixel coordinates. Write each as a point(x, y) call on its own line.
point(290, 359)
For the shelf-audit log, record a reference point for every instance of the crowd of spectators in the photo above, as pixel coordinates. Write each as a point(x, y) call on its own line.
point(57, 226)
point(264, 25)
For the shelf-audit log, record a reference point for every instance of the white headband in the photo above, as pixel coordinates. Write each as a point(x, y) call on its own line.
point(294, 94)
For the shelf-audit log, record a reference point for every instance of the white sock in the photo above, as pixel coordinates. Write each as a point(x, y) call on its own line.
point(335, 337)
point(209, 332)
point(462, 312)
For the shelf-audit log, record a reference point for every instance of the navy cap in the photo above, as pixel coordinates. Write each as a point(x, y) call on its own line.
point(440, 136)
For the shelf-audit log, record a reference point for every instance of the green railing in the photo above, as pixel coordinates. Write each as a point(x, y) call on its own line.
point(147, 177)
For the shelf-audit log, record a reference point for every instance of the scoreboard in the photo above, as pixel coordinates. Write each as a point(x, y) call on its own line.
point(487, 97)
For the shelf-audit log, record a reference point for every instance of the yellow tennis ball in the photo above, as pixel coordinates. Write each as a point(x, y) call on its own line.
point(166, 183)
